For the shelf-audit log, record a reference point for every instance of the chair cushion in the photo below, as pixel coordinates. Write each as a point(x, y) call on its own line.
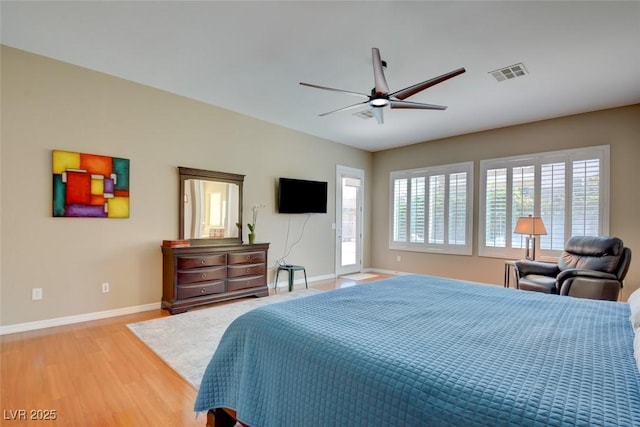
point(536, 282)
point(599, 253)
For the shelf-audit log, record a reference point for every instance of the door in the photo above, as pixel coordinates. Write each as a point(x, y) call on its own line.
point(349, 203)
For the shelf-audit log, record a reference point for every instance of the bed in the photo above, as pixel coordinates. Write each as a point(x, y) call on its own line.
point(419, 350)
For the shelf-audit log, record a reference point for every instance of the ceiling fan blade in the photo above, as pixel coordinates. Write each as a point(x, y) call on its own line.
point(358, 94)
point(377, 113)
point(415, 105)
point(359, 104)
point(412, 90)
point(378, 73)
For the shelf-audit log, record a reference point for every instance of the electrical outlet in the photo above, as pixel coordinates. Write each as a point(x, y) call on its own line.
point(105, 287)
point(36, 293)
point(398, 258)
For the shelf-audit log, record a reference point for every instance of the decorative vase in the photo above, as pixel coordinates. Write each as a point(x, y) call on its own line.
point(252, 238)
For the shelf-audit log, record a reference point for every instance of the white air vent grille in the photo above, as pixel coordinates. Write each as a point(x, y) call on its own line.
point(510, 72)
point(365, 114)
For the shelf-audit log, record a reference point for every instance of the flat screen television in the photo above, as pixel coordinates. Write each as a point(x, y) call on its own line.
point(302, 196)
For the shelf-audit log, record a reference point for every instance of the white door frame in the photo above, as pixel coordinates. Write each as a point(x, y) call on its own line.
point(349, 172)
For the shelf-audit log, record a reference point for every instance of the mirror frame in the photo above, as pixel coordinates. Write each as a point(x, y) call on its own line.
point(207, 175)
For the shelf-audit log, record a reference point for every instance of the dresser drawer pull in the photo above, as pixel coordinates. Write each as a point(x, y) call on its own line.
point(248, 257)
point(203, 290)
point(203, 275)
point(202, 261)
point(248, 269)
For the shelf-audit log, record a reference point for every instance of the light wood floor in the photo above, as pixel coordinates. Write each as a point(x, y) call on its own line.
point(96, 374)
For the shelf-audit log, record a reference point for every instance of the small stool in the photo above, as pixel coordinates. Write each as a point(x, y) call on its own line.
point(291, 269)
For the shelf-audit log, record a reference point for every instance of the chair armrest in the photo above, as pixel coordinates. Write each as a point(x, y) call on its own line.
point(589, 274)
point(588, 284)
point(524, 267)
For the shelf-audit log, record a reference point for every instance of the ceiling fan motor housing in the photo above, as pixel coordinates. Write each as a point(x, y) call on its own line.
point(378, 100)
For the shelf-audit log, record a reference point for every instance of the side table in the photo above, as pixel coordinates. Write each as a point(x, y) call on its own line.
point(509, 272)
point(291, 269)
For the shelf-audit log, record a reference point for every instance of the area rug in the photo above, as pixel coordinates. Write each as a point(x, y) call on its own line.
point(359, 276)
point(187, 341)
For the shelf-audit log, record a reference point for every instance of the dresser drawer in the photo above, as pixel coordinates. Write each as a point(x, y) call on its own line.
point(245, 270)
point(245, 282)
point(197, 275)
point(197, 261)
point(191, 291)
point(201, 275)
point(246, 257)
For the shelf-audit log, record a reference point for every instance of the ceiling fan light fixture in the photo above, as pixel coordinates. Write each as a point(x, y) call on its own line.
point(379, 102)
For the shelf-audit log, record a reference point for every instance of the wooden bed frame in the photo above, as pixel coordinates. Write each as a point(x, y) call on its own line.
point(222, 417)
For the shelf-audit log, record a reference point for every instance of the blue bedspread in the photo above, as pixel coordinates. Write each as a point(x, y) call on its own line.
point(421, 350)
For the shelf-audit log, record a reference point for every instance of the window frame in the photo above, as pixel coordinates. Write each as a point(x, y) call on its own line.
point(426, 172)
point(568, 157)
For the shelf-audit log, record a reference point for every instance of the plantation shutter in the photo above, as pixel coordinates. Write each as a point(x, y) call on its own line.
point(457, 208)
point(553, 205)
point(417, 210)
point(585, 204)
point(496, 207)
point(436, 208)
point(400, 210)
point(566, 188)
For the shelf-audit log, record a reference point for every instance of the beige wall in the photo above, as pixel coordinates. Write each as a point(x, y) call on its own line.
point(620, 128)
point(48, 105)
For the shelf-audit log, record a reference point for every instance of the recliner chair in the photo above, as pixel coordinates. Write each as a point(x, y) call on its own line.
point(590, 267)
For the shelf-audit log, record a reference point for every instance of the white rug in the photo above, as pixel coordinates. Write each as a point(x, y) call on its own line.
point(359, 276)
point(187, 341)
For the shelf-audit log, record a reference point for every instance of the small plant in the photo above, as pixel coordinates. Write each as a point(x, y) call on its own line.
point(252, 225)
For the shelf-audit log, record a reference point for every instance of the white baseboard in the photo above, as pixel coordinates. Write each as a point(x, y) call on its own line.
point(391, 272)
point(284, 284)
point(67, 320)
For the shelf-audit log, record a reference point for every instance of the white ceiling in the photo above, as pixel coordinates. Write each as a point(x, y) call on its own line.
point(248, 57)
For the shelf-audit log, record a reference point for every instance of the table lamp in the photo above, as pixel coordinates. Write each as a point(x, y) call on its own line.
point(532, 226)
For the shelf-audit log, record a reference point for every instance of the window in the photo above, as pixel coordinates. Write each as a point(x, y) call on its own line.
point(568, 189)
point(431, 209)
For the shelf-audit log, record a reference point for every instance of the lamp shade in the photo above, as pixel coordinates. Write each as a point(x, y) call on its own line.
point(531, 225)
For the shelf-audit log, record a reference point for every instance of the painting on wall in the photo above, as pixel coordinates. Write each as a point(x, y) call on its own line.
point(90, 185)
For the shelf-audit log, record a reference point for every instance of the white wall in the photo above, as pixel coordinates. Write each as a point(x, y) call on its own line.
point(49, 105)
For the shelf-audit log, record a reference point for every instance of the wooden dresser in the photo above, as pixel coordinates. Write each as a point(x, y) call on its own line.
point(199, 275)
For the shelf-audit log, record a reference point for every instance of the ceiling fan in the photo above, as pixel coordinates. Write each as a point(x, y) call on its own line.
point(380, 96)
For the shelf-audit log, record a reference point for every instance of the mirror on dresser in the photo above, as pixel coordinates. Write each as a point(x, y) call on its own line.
point(210, 206)
point(210, 263)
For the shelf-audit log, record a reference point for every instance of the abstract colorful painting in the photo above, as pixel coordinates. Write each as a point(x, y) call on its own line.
point(89, 185)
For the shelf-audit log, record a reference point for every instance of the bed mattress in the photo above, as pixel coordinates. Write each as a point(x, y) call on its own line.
point(420, 350)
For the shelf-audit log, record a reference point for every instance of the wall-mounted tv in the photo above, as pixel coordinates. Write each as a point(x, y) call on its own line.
point(302, 196)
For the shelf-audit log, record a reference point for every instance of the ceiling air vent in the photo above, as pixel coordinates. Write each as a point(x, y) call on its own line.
point(365, 114)
point(510, 72)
